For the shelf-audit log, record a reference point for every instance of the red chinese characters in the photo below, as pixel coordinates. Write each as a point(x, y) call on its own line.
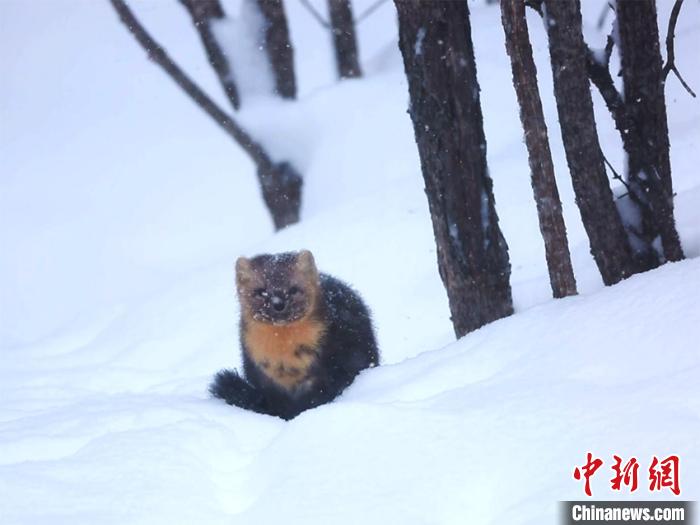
point(626, 475)
point(588, 470)
point(664, 474)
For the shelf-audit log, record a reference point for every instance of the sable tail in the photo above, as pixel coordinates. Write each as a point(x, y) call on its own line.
point(235, 390)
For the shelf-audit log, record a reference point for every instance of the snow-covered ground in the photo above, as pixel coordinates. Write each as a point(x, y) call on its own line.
point(122, 209)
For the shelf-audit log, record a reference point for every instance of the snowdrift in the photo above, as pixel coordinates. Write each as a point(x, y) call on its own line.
point(117, 296)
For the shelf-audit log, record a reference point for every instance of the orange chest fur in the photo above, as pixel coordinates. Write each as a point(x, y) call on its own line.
point(284, 353)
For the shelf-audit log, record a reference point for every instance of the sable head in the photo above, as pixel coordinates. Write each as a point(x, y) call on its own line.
point(277, 288)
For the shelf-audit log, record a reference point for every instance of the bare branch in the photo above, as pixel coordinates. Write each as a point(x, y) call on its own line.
point(323, 22)
point(279, 182)
point(604, 15)
point(202, 12)
point(159, 56)
point(371, 9)
point(311, 9)
point(615, 175)
point(670, 48)
point(670, 35)
point(599, 74)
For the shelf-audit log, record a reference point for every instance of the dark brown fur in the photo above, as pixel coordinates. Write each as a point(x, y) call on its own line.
point(304, 336)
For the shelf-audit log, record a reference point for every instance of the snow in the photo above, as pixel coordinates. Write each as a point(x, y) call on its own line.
point(242, 37)
point(123, 209)
point(418, 47)
point(485, 220)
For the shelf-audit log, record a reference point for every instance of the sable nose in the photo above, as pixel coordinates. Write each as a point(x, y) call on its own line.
point(278, 303)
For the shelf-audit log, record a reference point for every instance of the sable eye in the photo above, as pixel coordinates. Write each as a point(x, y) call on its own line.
point(294, 290)
point(260, 292)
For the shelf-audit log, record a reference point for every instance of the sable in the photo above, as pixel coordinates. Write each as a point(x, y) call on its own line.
point(304, 336)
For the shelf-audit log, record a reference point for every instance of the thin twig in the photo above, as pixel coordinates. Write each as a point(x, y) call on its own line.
point(311, 9)
point(616, 175)
point(604, 15)
point(371, 9)
point(670, 48)
point(670, 36)
point(361, 18)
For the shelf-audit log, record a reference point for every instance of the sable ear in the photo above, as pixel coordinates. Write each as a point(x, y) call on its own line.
point(306, 263)
point(244, 272)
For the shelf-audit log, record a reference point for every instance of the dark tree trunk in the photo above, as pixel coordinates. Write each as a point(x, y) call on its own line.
point(281, 190)
point(544, 185)
point(344, 40)
point(649, 167)
point(202, 13)
point(279, 47)
point(608, 239)
point(435, 41)
point(279, 182)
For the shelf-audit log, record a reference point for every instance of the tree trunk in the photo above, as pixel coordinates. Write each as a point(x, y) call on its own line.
point(435, 41)
point(649, 167)
point(544, 185)
point(344, 40)
point(281, 189)
point(279, 47)
point(609, 243)
point(202, 13)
